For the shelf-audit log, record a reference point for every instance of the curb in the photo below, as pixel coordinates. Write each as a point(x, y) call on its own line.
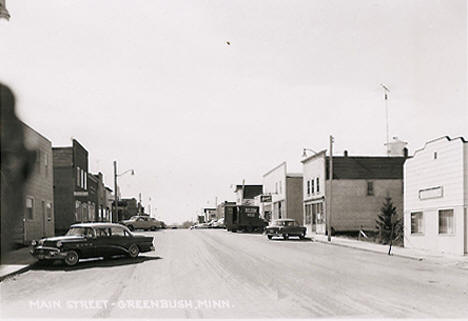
point(369, 250)
point(19, 271)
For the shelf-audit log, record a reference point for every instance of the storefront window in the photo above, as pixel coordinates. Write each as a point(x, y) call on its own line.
point(446, 222)
point(416, 223)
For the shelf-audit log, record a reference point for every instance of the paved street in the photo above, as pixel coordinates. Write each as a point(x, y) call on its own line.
point(217, 274)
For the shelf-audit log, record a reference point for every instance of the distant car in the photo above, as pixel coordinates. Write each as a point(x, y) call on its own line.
point(285, 228)
point(218, 224)
point(142, 222)
point(88, 240)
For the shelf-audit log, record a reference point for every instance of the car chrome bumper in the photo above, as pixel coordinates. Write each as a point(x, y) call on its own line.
point(47, 253)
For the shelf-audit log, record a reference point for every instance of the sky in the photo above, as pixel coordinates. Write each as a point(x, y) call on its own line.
point(154, 85)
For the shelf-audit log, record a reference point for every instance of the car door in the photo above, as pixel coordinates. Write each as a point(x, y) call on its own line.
point(139, 223)
point(120, 239)
point(86, 246)
point(102, 243)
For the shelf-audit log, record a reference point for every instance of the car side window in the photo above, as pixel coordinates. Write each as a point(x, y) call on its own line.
point(89, 232)
point(117, 231)
point(103, 232)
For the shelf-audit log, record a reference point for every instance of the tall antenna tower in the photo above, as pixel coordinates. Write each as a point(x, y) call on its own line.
point(386, 92)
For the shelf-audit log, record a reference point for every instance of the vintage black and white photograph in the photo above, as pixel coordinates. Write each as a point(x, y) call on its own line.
point(234, 159)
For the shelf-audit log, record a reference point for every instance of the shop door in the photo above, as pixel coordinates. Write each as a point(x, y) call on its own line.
point(314, 218)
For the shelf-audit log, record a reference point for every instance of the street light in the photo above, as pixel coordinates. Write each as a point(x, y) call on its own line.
point(304, 150)
point(116, 198)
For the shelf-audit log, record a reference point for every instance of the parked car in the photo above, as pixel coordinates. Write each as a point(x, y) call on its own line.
point(88, 240)
point(142, 222)
point(218, 224)
point(285, 228)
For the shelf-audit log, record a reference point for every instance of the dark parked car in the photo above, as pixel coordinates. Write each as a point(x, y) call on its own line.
point(87, 240)
point(285, 228)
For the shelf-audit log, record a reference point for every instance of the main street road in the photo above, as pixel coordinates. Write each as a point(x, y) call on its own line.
point(214, 273)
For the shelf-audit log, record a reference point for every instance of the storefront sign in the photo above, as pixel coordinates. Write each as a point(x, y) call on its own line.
point(433, 192)
point(78, 193)
point(265, 198)
point(250, 210)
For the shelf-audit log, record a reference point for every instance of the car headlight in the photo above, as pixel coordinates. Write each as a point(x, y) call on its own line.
point(59, 244)
point(33, 242)
point(41, 242)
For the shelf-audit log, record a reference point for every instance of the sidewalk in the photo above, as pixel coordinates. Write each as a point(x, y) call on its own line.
point(15, 262)
point(460, 261)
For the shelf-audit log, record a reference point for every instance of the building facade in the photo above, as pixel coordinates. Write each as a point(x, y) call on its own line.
point(209, 213)
point(71, 195)
point(220, 209)
point(38, 220)
point(359, 188)
point(436, 197)
point(245, 194)
point(286, 194)
point(127, 208)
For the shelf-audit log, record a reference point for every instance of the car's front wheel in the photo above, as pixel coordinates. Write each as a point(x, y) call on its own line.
point(72, 258)
point(270, 237)
point(302, 236)
point(285, 236)
point(133, 251)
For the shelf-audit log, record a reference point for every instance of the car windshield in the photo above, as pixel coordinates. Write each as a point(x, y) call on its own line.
point(79, 231)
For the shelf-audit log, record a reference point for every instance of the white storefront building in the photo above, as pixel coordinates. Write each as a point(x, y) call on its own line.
point(436, 197)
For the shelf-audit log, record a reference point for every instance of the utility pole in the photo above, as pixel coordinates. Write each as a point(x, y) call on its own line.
point(149, 207)
point(139, 203)
point(115, 214)
point(242, 195)
point(330, 170)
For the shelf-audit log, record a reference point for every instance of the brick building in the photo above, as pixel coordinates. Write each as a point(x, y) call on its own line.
point(38, 219)
point(127, 207)
point(70, 185)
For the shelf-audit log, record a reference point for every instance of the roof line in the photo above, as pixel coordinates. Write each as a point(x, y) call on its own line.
point(36, 132)
point(274, 168)
point(439, 138)
point(313, 156)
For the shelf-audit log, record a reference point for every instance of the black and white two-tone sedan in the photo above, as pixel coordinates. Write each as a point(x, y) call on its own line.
point(89, 240)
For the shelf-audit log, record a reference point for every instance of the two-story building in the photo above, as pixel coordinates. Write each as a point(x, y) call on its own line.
point(70, 166)
point(38, 220)
point(436, 197)
point(360, 185)
point(286, 194)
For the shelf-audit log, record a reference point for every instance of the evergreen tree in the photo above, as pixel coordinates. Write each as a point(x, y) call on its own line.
point(389, 225)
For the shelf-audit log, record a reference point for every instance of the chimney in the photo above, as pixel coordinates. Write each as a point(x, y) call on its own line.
point(405, 152)
point(345, 153)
